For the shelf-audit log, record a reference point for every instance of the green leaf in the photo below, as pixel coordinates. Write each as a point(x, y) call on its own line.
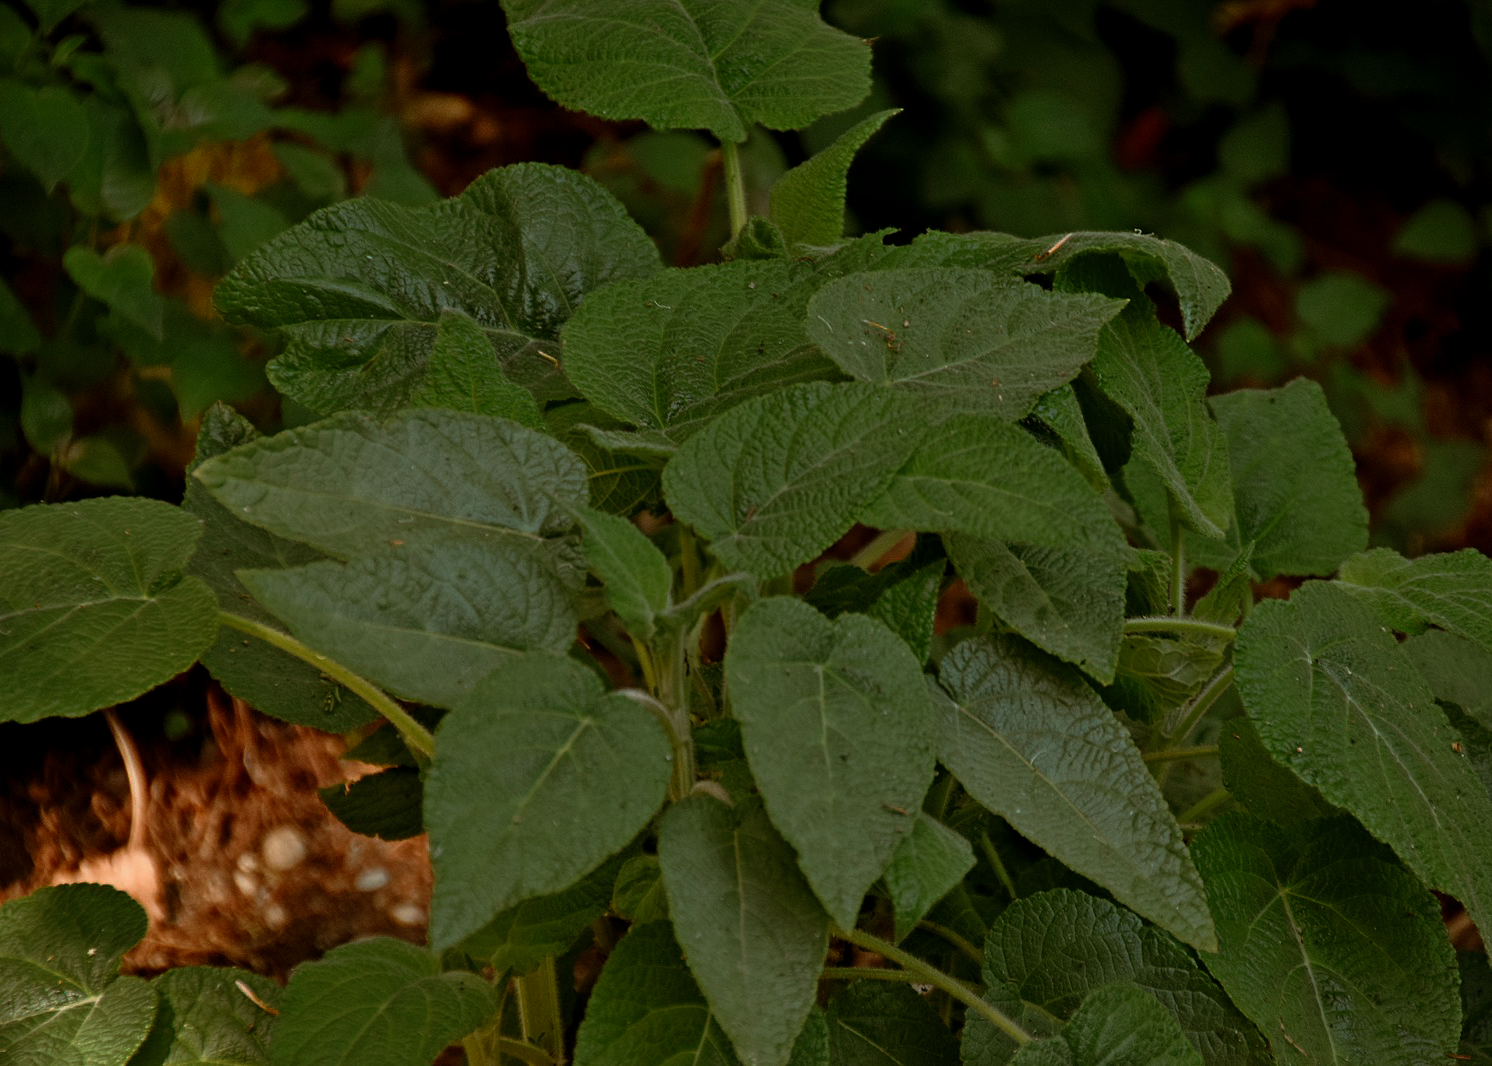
point(1330, 946)
point(384, 805)
point(539, 776)
point(634, 574)
point(776, 480)
point(835, 721)
point(968, 340)
point(808, 201)
point(1263, 786)
point(909, 606)
point(646, 1008)
point(1048, 951)
point(1336, 700)
point(271, 680)
point(351, 485)
point(1476, 1000)
point(426, 619)
point(1299, 517)
point(1069, 602)
point(377, 1000)
point(360, 289)
point(1157, 674)
point(1121, 1025)
point(61, 997)
point(1341, 308)
point(521, 937)
point(46, 415)
point(463, 376)
point(691, 64)
point(120, 279)
point(1452, 591)
point(1457, 670)
point(638, 895)
point(1052, 1052)
point(1200, 286)
point(875, 1024)
point(1034, 744)
point(18, 333)
point(1442, 231)
point(45, 128)
point(751, 929)
point(927, 862)
point(1060, 413)
point(205, 1019)
point(94, 607)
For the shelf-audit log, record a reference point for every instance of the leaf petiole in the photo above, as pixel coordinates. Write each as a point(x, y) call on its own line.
point(735, 185)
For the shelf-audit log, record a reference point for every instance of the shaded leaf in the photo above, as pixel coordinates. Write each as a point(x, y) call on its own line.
point(1121, 1025)
point(909, 606)
point(384, 805)
point(206, 1019)
point(1452, 591)
point(1261, 785)
point(45, 128)
point(876, 1024)
point(927, 862)
point(121, 279)
point(634, 574)
point(463, 375)
point(521, 937)
point(807, 203)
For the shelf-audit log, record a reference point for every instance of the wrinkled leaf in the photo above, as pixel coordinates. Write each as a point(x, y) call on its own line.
point(1452, 591)
point(927, 862)
point(908, 607)
point(877, 1024)
point(463, 375)
point(1121, 1025)
point(807, 203)
point(206, 1019)
point(635, 575)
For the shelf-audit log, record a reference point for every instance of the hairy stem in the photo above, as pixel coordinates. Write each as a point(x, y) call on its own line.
point(420, 742)
point(1215, 798)
point(1177, 754)
point(938, 979)
point(1201, 703)
point(735, 186)
point(953, 938)
point(1168, 624)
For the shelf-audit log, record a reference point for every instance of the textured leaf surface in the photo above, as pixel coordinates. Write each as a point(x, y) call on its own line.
point(1033, 743)
point(360, 289)
point(1335, 699)
point(646, 1009)
point(1457, 671)
point(776, 480)
point(928, 861)
point(1069, 602)
point(876, 1024)
point(61, 997)
point(691, 64)
point(463, 375)
point(351, 485)
point(1296, 497)
point(968, 340)
point(1121, 1025)
point(94, 605)
point(634, 573)
point(1334, 949)
point(426, 620)
point(1451, 591)
point(909, 606)
point(205, 1019)
point(753, 933)
point(539, 776)
point(263, 676)
point(807, 202)
point(521, 937)
point(834, 716)
point(1046, 952)
point(378, 1000)
point(1261, 785)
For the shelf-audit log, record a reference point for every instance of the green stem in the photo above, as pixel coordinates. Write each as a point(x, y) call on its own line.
point(1215, 798)
point(539, 1010)
point(420, 742)
point(953, 938)
point(688, 562)
point(938, 979)
point(1201, 703)
point(1176, 754)
point(988, 847)
point(1178, 561)
point(883, 542)
point(1168, 624)
point(735, 185)
point(869, 973)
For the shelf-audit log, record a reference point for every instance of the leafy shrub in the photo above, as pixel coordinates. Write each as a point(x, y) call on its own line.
point(1111, 821)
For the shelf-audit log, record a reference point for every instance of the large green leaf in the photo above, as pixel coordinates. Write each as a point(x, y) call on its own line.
point(1067, 601)
point(753, 933)
point(206, 1019)
point(1033, 743)
point(634, 574)
point(94, 605)
point(1457, 670)
point(539, 776)
point(376, 1001)
point(1262, 786)
point(1451, 591)
point(462, 375)
point(646, 1009)
point(970, 340)
point(360, 289)
point(835, 720)
point(1296, 498)
point(353, 485)
point(426, 620)
point(876, 1024)
point(61, 997)
point(1335, 950)
point(1121, 1025)
point(268, 679)
point(776, 480)
point(705, 64)
point(1046, 952)
point(1335, 698)
point(807, 203)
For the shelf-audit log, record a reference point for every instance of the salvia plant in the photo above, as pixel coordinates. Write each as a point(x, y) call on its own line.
point(563, 523)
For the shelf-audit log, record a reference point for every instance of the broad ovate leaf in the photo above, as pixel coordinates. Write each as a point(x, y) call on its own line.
point(835, 720)
point(1034, 744)
point(462, 375)
point(62, 999)
point(378, 1000)
point(691, 64)
point(539, 776)
point(205, 1018)
point(95, 606)
point(1451, 591)
point(776, 480)
point(751, 929)
point(1336, 700)
point(1122, 1025)
point(360, 290)
point(1334, 949)
point(968, 340)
